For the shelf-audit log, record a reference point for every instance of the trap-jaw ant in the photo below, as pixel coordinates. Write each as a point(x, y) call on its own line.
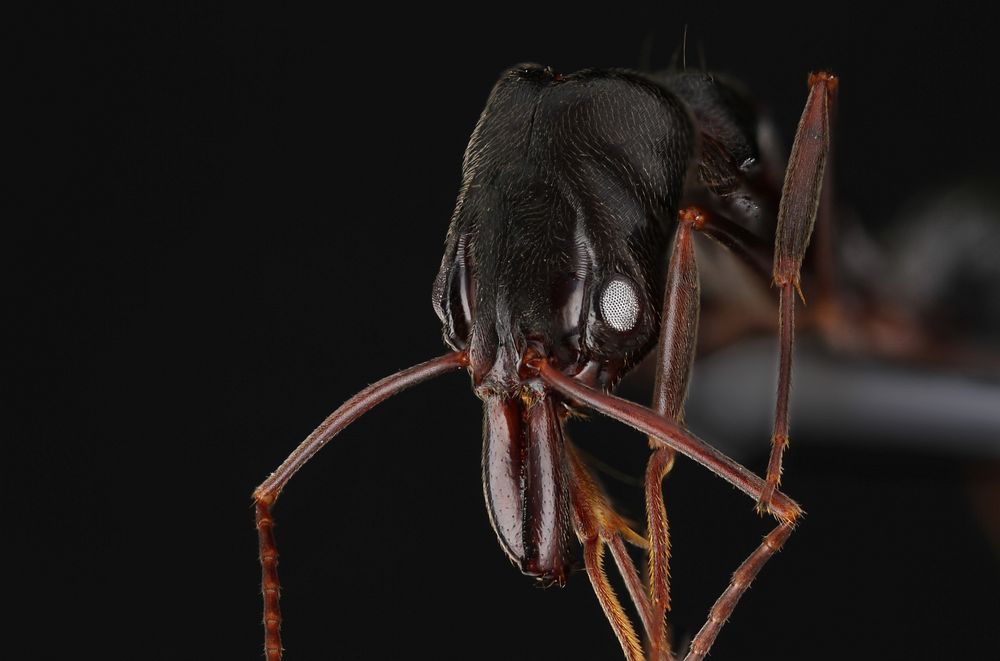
point(556, 281)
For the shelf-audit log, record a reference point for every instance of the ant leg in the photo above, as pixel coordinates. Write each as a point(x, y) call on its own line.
point(744, 314)
point(267, 493)
point(676, 351)
point(596, 524)
point(660, 463)
point(675, 355)
point(666, 434)
point(679, 327)
point(628, 571)
point(593, 557)
point(779, 435)
point(738, 584)
point(800, 198)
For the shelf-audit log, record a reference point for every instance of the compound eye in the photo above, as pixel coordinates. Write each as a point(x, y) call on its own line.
point(620, 304)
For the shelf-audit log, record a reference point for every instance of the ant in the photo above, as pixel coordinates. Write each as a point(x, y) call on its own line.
point(556, 281)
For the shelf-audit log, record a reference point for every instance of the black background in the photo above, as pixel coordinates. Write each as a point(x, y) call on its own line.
point(227, 222)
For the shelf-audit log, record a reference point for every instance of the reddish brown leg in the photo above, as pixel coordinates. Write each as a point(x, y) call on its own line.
point(596, 524)
point(742, 577)
point(796, 216)
point(779, 436)
point(659, 465)
point(632, 582)
point(666, 434)
point(675, 355)
point(593, 557)
point(267, 493)
point(679, 328)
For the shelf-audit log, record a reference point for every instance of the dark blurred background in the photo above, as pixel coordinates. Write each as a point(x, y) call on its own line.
point(226, 222)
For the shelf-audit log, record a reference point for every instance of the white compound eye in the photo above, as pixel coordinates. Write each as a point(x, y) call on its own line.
point(620, 304)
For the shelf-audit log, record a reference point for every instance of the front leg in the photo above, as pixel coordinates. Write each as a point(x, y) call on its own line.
point(597, 524)
point(675, 357)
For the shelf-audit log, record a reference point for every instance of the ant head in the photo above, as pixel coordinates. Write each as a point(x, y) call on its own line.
point(558, 237)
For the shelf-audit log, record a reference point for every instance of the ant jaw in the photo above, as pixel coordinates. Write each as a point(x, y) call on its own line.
point(526, 481)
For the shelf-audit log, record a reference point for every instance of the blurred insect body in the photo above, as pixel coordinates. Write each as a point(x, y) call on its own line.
point(556, 281)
